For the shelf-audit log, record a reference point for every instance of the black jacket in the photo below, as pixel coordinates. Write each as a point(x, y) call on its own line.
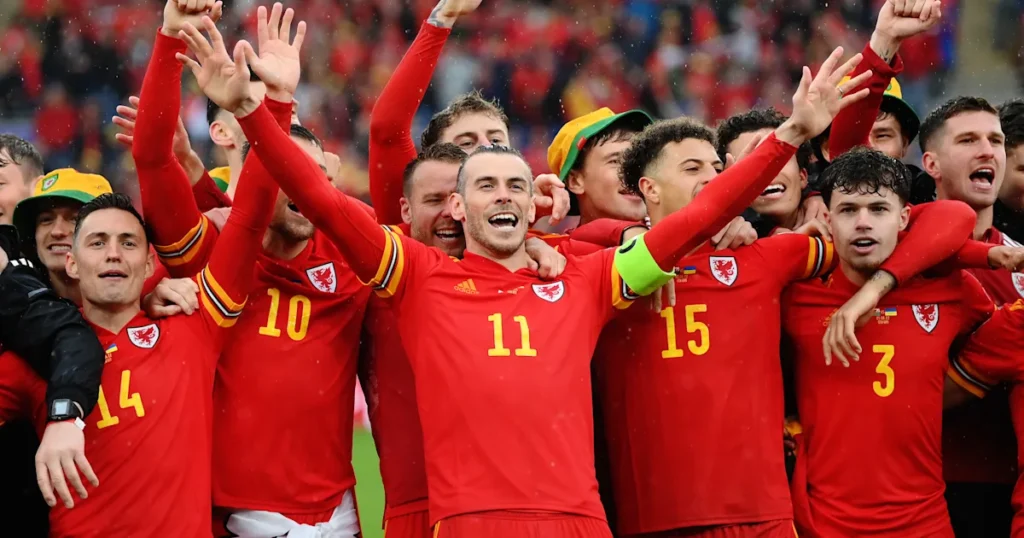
point(47, 331)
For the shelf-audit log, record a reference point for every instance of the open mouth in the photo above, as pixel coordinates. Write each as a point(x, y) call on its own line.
point(113, 274)
point(504, 221)
point(774, 191)
point(448, 234)
point(59, 248)
point(983, 177)
point(293, 208)
point(864, 245)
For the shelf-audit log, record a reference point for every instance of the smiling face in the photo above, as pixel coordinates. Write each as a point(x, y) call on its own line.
point(680, 172)
point(780, 201)
point(427, 210)
point(865, 227)
point(597, 184)
point(288, 221)
point(55, 227)
point(110, 258)
point(496, 202)
point(968, 159)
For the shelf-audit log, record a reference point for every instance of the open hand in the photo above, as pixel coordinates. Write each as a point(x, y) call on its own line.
point(225, 80)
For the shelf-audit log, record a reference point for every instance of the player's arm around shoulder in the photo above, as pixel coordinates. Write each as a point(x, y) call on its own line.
point(994, 353)
point(796, 256)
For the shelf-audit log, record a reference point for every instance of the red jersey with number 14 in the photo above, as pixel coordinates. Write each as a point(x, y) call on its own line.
point(502, 367)
point(870, 460)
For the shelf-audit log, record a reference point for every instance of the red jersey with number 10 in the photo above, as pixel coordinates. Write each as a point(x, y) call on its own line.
point(870, 460)
point(502, 366)
point(719, 461)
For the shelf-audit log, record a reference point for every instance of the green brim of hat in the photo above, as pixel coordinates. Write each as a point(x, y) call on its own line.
point(27, 210)
point(636, 118)
point(910, 124)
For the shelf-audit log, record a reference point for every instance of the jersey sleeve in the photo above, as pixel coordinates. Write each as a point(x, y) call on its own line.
point(977, 303)
point(183, 237)
point(994, 353)
point(21, 390)
point(225, 282)
point(936, 231)
point(604, 232)
point(718, 203)
point(793, 256)
point(852, 126)
point(613, 295)
point(391, 144)
point(208, 195)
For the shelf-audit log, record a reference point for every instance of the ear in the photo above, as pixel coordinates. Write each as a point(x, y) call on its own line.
point(531, 213)
point(71, 266)
point(406, 210)
point(650, 190)
point(220, 135)
point(150, 265)
point(904, 217)
point(457, 205)
point(824, 150)
point(930, 164)
point(574, 183)
point(803, 179)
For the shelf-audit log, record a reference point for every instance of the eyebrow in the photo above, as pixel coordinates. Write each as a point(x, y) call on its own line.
point(699, 161)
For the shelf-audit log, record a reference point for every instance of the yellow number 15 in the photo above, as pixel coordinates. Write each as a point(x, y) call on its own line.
point(692, 326)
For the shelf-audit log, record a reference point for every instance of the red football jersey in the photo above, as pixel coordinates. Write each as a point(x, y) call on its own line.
point(870, 460)
point(720, 461)
point(22, 392)
point(502, 368)
point(390, 390)
point(995, 354)
point(978, 439)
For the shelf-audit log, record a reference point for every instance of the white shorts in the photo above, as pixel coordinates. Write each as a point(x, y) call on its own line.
point(344, 523)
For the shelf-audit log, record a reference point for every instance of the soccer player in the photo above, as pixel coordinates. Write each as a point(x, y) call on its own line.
point(650, 364)
point(1009, 208)
point(159, 373)
point(524, 433)
point(869, 461)
point(307, 305)
point(965, 155)
point(20, 165)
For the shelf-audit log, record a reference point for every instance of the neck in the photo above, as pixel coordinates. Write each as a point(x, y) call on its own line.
point(276, 246)
point(112, 318)
point(66, 286)
point(234, 158)
point(656, 213)
point(984, 222)
point(789, 221)
point(513, 262)
point(853, 275)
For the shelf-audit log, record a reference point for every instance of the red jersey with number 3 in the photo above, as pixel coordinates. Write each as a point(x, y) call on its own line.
point(692, 396)
point(870, 458)
point(502, 367)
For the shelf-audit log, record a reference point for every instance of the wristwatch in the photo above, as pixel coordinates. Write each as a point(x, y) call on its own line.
point(65, 409)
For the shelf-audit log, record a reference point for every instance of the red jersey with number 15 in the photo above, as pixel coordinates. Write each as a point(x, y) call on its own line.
point(502, 367)
point(870, 460)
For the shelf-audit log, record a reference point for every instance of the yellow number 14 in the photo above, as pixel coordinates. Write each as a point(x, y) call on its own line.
point(499, 349)
point(127, 399)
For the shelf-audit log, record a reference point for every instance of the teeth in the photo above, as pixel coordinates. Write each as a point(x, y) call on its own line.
point(504, 220)
point(447, 234)
point(773, 189)
point(59, 248)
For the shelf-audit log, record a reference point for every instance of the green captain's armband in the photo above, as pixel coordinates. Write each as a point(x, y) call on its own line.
point(638, 269)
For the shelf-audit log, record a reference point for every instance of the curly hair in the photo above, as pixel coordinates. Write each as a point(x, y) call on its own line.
point(647, 146)
point(756, 120)
point(866, 171)
point(470, 103)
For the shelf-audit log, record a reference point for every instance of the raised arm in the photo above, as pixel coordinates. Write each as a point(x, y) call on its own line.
point(391, 143)
point(183, 237)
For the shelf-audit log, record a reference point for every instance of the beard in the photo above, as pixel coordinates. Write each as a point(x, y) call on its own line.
point(478, 229)
point(293, 228)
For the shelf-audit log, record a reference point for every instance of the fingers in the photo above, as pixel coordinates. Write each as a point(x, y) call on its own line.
point(898, 6)
point(125, 140)
point(241, 67)
point(918, 8)
point(126, 124)
point(826, 349)
point(57, 479)
point(165, 311)
point(195, 41)
point(729, 161)
point(853, 98)
point(532, 264)
point(849, 339)
point(286, 24)
point(83, 465)
point(217, 11)
point(274, 25)
point(133, 101)
point(836, 76)
point(300, 35)
point(45, 486)
point(262, 32)
point(252, 58)
point(656, 300)
point(216, 40)
point(717, 238)
point(828, 72)
point(71, 472)
point(670, 290)
point(854, 82)
point(189, 63)
point(128, 112)
point(170, 296)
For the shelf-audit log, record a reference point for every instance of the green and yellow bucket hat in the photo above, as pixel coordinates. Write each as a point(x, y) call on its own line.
point(63, 184)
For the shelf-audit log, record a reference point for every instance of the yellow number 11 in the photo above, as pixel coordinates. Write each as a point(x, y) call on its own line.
point(499, 349)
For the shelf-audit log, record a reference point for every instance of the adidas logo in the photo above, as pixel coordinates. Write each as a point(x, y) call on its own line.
point(467, 286)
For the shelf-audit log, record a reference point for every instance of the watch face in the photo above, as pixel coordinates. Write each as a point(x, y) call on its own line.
point(61, 407)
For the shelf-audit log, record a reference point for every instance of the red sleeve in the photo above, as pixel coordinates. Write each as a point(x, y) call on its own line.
point(376, 254)
point(796, 256)
point(852, 126)
point(391, 144)
point(977, 304)
point(225, 282)
point(182, 236)
point(718, 203)
point(605, 232)
point(613, 293)
point(994, 353)
point(207, 195)
point(22, 392)
point(937, 231)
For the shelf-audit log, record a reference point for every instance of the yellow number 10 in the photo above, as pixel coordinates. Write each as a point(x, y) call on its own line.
point(126, 399)
point(883, 368)
point(499, 349)
point(297, 326)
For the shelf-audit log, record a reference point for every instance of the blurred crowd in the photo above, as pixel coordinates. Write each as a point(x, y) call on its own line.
point(66, 64)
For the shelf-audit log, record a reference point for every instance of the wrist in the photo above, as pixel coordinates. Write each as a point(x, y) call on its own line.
point(792, 133)
point(884, 45)
point(169, 31)
point(439, 19)
point(281, 96)
point(246, 107)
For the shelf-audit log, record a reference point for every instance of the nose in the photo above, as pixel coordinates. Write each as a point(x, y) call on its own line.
point(988, 151)
point(863, 221)
point(502, 194)
point(113, 251)
point(62, 228)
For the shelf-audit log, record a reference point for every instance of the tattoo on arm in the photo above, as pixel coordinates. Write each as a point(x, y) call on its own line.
point(435, 17)
point(885, 280)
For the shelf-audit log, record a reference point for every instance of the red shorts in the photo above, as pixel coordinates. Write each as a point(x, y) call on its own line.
point(781, 528)
point(411, 525)
point(521, 525)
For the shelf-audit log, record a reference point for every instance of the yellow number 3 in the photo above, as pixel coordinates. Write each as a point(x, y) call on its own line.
point(126, 399)
point(883, 368)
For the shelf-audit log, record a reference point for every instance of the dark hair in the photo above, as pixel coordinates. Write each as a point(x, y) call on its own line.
point(212, 109)
point(867, 171)
point(16, 150)
point(470, 103)
point(444, 152)
point(297, 131)
point(1011, 117)
point(647, 146)
point(756, 120)
point(110, 201)
point(618, 133)
point(482, 150)
point(954, 107)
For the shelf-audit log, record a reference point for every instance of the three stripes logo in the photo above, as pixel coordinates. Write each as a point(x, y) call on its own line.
point(467, 286)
